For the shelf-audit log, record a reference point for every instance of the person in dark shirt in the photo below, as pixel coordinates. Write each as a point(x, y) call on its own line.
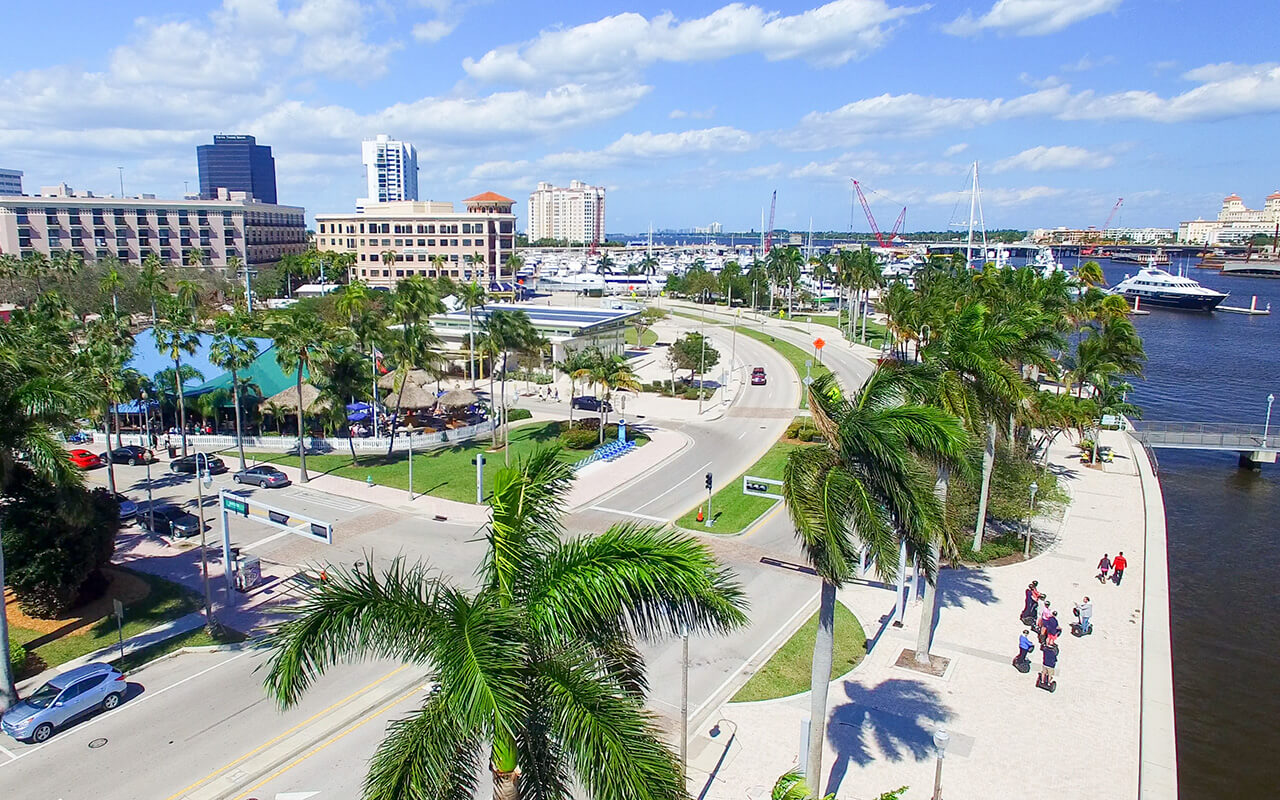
point(1104, 567)
point(1049, 653)
point(1052, 630)
point(1032, 597)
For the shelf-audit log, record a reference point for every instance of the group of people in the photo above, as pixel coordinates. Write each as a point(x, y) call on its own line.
point(1112, 568)
point(1041, 619)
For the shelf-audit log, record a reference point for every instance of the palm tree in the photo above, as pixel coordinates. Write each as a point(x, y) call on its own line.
point(35, 265)
point(507, 331)
point(411, 342)
point(233, 350)
point(176, 335)
point(277, 413)
point(869, 488)
point(343, 381)
point(537, 670)
point(867, 275)
point(574, 362)
point(67, 264)
point(195, 257)
point(477, 265)
point(1090, 274)
point(611, 373)
point(107, 347)
point(300, 336)
point(388, 258)
point(513, 263)
point(473, 296)
point(111, 281)
point(151, 281)
point(785, 263)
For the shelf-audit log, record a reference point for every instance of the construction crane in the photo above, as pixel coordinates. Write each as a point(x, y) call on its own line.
point(897, 224)
point(1114, 210)
point(768, 237)
point(866, 209)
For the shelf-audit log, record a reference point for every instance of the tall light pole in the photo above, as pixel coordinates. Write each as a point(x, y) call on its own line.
point(684, 701)
point(151, 511)
point(940, 740)
point(1026, 553)
point(205, 479)
point(1266, 429)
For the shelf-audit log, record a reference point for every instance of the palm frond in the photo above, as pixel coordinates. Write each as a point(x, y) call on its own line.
point(527, 504)
point(428, 754)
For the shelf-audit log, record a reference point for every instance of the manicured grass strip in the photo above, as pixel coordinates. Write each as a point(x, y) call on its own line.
point(445, 472)
point(165, 602)
point(650, 338)
point(788, 672)
point(196, 638)
point(791, 353)
point(732, 511)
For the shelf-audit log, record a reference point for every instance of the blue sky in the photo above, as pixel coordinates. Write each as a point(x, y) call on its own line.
point(689, 113)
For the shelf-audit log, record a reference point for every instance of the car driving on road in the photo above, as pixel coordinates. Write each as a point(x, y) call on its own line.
point(589, 403)
point(187, 464)
point(263, 475)
point(65, 698)
point(129, 454)
point(169, 520)
point(84, 459)
point(758, 377)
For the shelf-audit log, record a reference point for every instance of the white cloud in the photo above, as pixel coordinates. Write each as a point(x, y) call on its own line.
point(433, 30)
point(1225, 91)
point(955, 149)
point(1087, 62)
point(997, 197)
point(1029, 17)
point(696, 113)
point(866, 162)
point(828, 35)
point(1057, 157)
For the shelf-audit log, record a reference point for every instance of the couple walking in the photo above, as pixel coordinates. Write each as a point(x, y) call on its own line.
point(1115, 567)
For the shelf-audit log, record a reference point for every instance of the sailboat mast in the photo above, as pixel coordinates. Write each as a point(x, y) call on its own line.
point(973, 199)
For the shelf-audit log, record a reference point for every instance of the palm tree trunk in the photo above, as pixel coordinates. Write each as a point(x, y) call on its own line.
point(182, 406)
point(235, 398)
point(864, 318)
point(115, 416)
point(820, 679)
point(8, 691)
point(984, 489)
point(302, 450)
point(855, 308)
point(471, 347)
point(111, 466)
point(929, 608)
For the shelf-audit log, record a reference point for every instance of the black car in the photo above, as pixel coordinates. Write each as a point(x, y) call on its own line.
point(169, 520)
point(263, 475)
point(129, 454)
point(187, 465)
point(589, 403)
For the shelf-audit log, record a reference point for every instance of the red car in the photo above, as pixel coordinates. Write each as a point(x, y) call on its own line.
point(84, 459)
point(757, 377)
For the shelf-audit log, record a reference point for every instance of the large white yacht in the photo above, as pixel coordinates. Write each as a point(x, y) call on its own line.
point(1153, 286)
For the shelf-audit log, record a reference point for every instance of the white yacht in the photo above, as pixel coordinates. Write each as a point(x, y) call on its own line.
point(1153, 286)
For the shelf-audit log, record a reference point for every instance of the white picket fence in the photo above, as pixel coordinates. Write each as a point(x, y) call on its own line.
point(314, 444)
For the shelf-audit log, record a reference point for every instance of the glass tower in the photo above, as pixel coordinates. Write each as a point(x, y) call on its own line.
point(237, 164)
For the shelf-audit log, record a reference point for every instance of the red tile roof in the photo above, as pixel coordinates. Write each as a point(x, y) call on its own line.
point(1274, 196)
point(1231, 197)
point(489, 197)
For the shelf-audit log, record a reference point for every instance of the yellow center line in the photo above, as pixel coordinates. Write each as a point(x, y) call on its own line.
point(275, 739)
point(375, 715)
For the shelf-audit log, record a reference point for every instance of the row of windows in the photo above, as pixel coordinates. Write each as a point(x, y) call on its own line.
point(506, 226)
point(254, 217)
point(409, 257)
point(427, 273)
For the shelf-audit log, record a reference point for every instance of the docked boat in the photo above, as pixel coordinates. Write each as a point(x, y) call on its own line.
point(1138, 257)
point(1153, 286)
point(1255, 265)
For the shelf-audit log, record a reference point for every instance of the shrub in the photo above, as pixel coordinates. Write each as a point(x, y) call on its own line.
point(17, 659)
point(580, 438)
point(804, 430)
point(1006, 544)
point(516, 414)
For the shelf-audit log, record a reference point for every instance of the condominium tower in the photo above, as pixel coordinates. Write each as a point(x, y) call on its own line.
point(390, 169)
point(574, 213)
point(237, 164)
point(10, 181)
point(392, 241)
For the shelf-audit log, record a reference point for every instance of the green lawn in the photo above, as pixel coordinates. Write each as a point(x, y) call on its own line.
point(789, 671)
point(166, 601)
point(732, 511)
point(445, 472)
point(197, 638)
point(650, 338)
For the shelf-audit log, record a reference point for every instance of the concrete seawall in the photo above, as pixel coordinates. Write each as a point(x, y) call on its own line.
point(1158, 753)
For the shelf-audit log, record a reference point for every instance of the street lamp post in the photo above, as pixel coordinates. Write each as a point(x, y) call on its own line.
point(940, 740)
point(1026, 553)
point(1266, 429)
point(684, 701)
point(204, 479)
point(151, 512)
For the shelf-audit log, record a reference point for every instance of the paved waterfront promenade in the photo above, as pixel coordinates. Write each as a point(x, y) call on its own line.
point(1112, 710)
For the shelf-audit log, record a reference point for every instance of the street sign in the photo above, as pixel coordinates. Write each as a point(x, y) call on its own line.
point(808, 363)
point(808, 381)
point(236, 505)
point(759, 487)
point(818, 344)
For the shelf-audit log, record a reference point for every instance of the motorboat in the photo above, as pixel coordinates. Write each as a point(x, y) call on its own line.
point(1153, 286)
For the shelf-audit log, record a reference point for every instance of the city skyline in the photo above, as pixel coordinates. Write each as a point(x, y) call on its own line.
point(683, 116)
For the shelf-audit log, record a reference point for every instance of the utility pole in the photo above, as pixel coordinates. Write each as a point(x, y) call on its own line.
point(684, 702)
point(201, 477)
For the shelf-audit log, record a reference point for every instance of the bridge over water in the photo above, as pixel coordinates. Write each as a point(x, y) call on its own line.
point(1255, 443)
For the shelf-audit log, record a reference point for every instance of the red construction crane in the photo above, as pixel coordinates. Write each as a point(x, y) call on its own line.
point(1114, 210)
point(897, 224)
point(866, 209)
point(768, 237)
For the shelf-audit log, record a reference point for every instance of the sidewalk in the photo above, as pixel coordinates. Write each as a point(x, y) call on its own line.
point(1008, 738)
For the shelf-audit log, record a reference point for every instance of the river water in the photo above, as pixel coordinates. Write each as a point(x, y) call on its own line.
point(1224, 554)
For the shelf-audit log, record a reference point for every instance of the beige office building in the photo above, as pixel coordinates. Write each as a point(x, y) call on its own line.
point(574, 213)
point(232, 226)
point(426, 238)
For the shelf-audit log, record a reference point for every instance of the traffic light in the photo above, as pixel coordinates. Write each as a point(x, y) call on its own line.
point(708, 481)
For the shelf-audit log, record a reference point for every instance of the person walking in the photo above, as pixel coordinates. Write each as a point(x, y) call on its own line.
point(1049, 655)
point(1024, 648)
point(1104, 566)
point(1118, 566)
point(1084, 610)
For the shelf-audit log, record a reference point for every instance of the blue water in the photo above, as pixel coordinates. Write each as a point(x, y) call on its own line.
point(1224, 553)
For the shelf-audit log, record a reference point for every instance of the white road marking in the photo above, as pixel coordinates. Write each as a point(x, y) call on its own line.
point(327, 500)
point(627, 513)
point(145, 697)
point(677, 485)
point(295, 795)
point(267, 540)
point(744, 433)
point(7, 752)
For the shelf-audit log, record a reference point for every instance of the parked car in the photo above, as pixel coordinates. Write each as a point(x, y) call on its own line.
point(169, 520)
point(67, 697)
point(758, 378)
point(84, 459)
point(80, 437)
point(263, 475)
point(187, 464)
point(589, 403)
point(129, 454)
point(128, 508)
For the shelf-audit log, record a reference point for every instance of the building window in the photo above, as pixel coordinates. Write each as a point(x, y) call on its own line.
point(422, 242)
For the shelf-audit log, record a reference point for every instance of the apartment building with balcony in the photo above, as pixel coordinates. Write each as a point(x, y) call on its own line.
point(233, 225)
point(573, 213)
point(390, 170)
point(428, 238)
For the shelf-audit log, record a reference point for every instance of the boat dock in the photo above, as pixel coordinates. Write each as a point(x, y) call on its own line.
point(1251, 310)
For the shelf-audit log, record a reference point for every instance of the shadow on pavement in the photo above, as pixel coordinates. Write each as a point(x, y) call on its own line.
point(863, 729)
point(958, 586)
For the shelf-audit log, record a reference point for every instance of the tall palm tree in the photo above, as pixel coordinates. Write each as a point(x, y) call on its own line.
point(473, 296)
point(195, 257)
point(388, 258)
point(343, 381)
point(35, 265)
point(477, 265)
point(175, 334)
point(868, 487)
point(111, 281)
point(867, 275)
point(41, 394)
point(151, 280)
point(235, 351)
point(67, 264)
point(300, 336)
point(513, 264)
point(411, 342)
point(106, 349)
point(612, 373)
point(537, 670)
point(508, 331)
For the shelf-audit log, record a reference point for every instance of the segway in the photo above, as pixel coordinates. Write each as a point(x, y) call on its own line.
point(1049, 686)
point(1077, 628)
point(1022, 664)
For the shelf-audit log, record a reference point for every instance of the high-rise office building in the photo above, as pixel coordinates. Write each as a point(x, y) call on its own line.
point(10, 181)
point(574, 213)
point(390, 169)
point(237, 164)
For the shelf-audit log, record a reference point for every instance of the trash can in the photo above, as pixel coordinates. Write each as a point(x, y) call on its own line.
point(173, 452)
